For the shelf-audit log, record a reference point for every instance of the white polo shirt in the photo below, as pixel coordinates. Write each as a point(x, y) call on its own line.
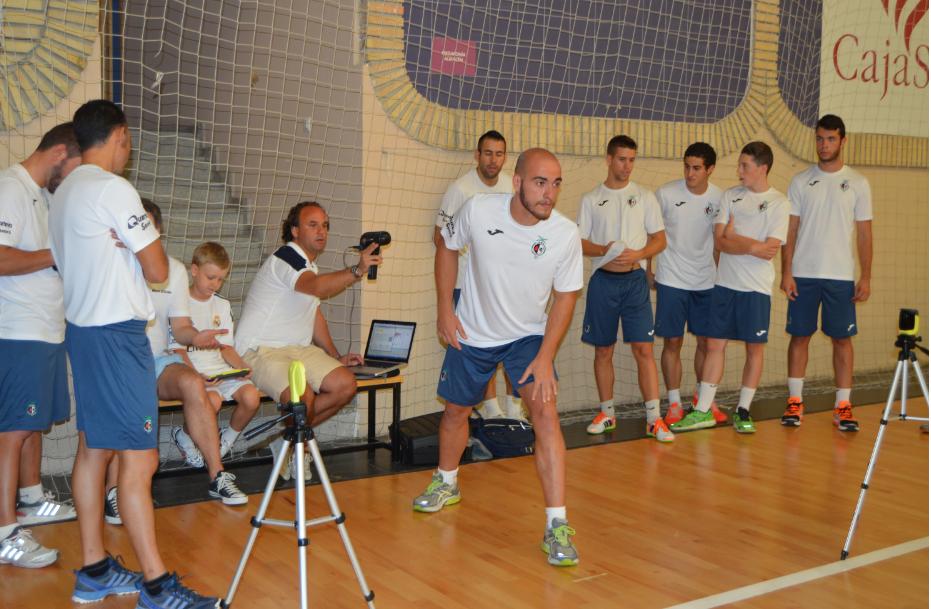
point(828, 205)
point(274, 314)
point(32, 305)
point(687, 262)
point(512, 269)
point(170, 299)
point(758, 216)
point(461, 191)
point(103, 283)
point(625, 215)
point(212, 314)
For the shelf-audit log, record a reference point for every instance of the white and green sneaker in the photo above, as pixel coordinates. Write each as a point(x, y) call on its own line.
point(557, 543)
point(695, 419)
point(437, 495)
point(742, 421)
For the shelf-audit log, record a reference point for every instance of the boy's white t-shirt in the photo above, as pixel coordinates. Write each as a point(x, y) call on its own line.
point(687, 262)
point(211, 314)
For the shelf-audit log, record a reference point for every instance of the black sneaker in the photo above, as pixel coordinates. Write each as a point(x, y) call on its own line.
point(224, 487)
point(111, 509)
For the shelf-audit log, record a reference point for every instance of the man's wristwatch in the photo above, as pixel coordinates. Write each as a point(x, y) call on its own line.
point(354, 269)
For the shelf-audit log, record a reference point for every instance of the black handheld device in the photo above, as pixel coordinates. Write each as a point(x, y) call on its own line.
point(381, 237)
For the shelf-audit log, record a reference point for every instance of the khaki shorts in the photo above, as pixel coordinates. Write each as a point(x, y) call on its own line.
point(270, 367)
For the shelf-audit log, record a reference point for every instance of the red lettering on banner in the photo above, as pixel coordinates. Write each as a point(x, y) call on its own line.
point(837, 44)
point(453, 56)
point(923, 65)
point(872, 67)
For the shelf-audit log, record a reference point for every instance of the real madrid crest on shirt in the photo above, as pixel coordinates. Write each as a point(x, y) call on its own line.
point(216, 321)
point(538, 247)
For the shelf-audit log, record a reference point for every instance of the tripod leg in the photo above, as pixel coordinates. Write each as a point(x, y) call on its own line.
point(921, 380)
point(340, 520)
point(903, 397)
point(865, 485)
point(257, 523)
point(301, 519)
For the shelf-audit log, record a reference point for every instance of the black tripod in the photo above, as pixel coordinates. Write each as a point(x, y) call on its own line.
point(297, 432)
point(907, 345)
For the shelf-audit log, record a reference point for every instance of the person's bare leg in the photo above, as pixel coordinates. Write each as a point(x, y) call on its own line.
point(454, 435)
point(701, 350)
point(843, 362)
point(337, 389)
point(136, 509)
point(647, 377)
point(753, 367)
point(247, 404)
point(30, 462)
point(113, 472)
point(671, 362)
point(798, 356)
point(549, 448)
point(11, 449)
point(604, 372)
point(179, 382)
point(87, 485)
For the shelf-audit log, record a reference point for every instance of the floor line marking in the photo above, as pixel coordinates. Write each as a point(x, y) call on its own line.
point(589, 578)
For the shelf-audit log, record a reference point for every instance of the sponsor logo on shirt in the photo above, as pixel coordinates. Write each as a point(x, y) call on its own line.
point(142, 221)
point(764, 206)
point(6, 227)
point(680, 204)
point(602, 204)
point(631, 201)
point(538, 247)
point(845, 185)
point(737, 200)
point(32, 410)
point(813, 182)
point(495, 231)
point(448, 223)
point(761, 333)
point(851, 327)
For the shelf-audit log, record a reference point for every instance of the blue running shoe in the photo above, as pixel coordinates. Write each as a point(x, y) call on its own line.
point(116, 580)
point(175, 596)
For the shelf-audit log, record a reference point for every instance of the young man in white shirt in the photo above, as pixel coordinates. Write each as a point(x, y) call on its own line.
point(107, 307)
point(487, 177)
point(621, 227)
point(33, 374)
point(522, 253)
point(830, 202)
point(749, 230)
point(685, 270)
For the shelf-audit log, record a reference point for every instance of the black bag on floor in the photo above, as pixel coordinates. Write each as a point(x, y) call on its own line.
point(503, 437)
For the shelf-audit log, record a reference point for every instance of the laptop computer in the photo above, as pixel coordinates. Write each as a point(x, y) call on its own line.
point(387, 349)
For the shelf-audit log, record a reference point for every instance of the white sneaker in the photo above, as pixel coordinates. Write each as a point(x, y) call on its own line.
point(21, 550)
point(226, 447)
point(44, 511)
point(289, 470)
point(185, 444)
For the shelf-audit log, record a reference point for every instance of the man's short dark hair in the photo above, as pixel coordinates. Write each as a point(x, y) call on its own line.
point(294, 219)
point(95, 121)
point(832, 122)
point(491, 135)
point(620, 141)
point(704, 152)
point(761, 152)
point(61, 134)
point(151, 207)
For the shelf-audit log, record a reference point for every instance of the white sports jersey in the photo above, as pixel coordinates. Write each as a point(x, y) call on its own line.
point(32, 306)
point(103, 283)
point(461, 191)
point(758, 216)
point(274, 314)
point(687, 262)
point(170, 299)
point(512, 269)
point(828, 205)
point(212, 314)
point(625, 215)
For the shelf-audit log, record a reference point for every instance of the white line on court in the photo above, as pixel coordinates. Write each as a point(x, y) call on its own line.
point(588, 579)
point(801, 577)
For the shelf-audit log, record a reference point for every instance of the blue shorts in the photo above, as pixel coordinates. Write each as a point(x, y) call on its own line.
point(838, 311)
point(114, 385)
point(675, 306)
point(163, 361)
point(466, 373)
point(739, 315)
point(33, 385)
point(612, 296)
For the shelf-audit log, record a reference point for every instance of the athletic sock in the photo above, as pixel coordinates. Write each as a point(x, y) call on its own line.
point(154, 586)
point(652, 407)
point(449, 478)
point(229, 435)
point(607, 407)
point(746, 396)
point(674, 397)
point(490, 408)
point(515, 411)
point(706, 393)
point(554, 512)
point(795, 387)
point(31, 494)
point(7, 530)
point(96, 569)
point(842, 395)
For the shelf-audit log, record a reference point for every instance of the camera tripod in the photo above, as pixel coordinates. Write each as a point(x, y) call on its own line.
point(907, 344)
point(297, 432)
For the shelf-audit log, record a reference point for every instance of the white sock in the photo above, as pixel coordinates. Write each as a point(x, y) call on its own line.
point(490, 408)
point(554, 512)
point(514, 408)
point(34, 494)
point(674, 397)
point(229, 435)
point(795, 387)
point(607, 407)
point(450, 478)
point(7, 530)
point(706, 392)
point(842, 395)
point(746, 396)
point(652, 407)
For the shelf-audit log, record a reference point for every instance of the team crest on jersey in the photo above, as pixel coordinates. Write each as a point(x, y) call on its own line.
point(764, 206)
point(147, 425)
point(32, 409)
point(631, 201)
point(845, 185)
point(538, 247)
point(710, 211)
point(216, 321)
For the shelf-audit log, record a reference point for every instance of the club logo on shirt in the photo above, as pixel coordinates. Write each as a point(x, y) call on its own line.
point(147, 425)
point(142, 221)
point(442, 375)
point(710, 211)
point(764, 206)
point(845, 185)
point(602, 204)
point(631, 201)
point(216, 321)
point(538, 247)
point(495, 231)
point(32, 410)
point(813, 182)
point(680, 204)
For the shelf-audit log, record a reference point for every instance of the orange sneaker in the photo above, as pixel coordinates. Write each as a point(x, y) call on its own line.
point(795, 410)
point(674, 414)
point(843, 417)
point(602, 423)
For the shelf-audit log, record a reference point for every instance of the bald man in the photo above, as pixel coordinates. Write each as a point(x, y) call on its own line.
point(522, 252)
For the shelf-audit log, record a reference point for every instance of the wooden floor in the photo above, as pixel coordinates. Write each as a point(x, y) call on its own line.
point(658, 526)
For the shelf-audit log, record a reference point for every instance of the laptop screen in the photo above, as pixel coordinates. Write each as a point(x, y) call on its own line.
point(390, 340)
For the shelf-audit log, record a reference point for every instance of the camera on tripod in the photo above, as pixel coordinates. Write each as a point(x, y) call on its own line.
point(909, 322)
point(381, 237)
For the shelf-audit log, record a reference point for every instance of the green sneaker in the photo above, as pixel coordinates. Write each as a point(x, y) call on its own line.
point(695, 419)
point(742, 421)
point(437, 495)
point(557, 543)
